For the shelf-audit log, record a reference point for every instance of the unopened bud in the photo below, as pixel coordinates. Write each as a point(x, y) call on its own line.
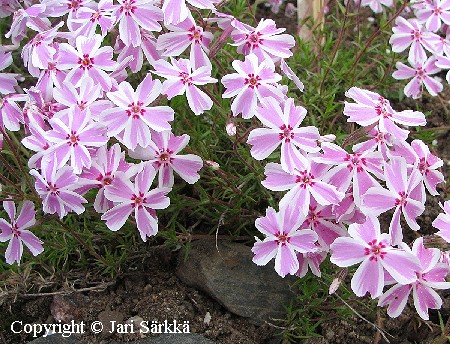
point(337, 281)
point(230, 128)
point(214, 165)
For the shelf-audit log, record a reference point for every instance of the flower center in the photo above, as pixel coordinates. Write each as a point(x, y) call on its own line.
point(402, 200)
point(138, 200)
point(416, 35)
point(254, 39)
point(195, 34)
point(252, 81)
point(52, 189)
point(185, 78)
point(74, 5)
point(86, 62)
point(305, 178)
point(128, 7)
point(135, 110)
point(282, 238)
point(72, 139)
point(423, 166)
point(375, 250)
point(287, 133)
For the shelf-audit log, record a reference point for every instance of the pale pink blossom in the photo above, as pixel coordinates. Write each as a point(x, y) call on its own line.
point(368, 246)
point(31, 17)
point(132, 116)
point(40, 50)
point(175, 11)
point(265, 41)
point(133, 14)
point(303, 185)
point(252, 82)
point(351, 169)
point(87, 59)
point(411, 33)
point(370, 108)
point(183, 35)
point(433, 13)
point(432, 275)
point(401, 195)
point(282, 127)
point(376, 5)
point(17, 231)
point(420, 72)
point(55, 187)
point(137, 199)
point(418, 155)
point(163, 153)
point(72, 135)
point(89, 18)
point(105, 165)
point(181, 77)
point(58, 8)
point(7, 80)
point(283, 240)
point(442, 222)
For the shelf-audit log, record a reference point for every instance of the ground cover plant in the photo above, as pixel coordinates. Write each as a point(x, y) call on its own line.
point(135, 121)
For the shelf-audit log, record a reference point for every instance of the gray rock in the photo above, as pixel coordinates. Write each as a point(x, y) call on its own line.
point(56, 339)
point(231, 278)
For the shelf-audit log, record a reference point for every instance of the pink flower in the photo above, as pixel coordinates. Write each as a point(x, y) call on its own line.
point(311, 260)
point(7, 80)
point(433, 13)
point(55, 186)
point(371, 108)
point(252, 82)
point(138, 199)
point(40, 50)
point(411, 33)
point(25, 18)
point(88, 59)
point(146, 49)
point(88, 19)
point(351, 169)
point(16, 231)
point(182, 79)
point(283, 127)
point(372, 249)
point(322, 220)
point(283, 240)
point(132, 14)
point(133, 116)
point(72, 136)
point(105, 165)
point(375, 5)
point(431, 275)
point(420, 74)
point(418, 155)
point(187, 34)
point(302, 185)
point(175, 11)
point(264, 41)
point(401, 195)
point(163, 153)
point(442, 222)
point(58, 8)
point(10, 114)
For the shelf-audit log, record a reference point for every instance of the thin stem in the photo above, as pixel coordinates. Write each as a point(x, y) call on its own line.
point(376, 34)
point(336, 46)
point(82, 242)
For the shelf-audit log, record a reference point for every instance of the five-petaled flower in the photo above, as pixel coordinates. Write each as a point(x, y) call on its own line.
point(136, 199)
point(17, 231)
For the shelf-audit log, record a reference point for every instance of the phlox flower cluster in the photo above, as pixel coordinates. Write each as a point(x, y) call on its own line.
point(94, 130)
point(423, 34)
